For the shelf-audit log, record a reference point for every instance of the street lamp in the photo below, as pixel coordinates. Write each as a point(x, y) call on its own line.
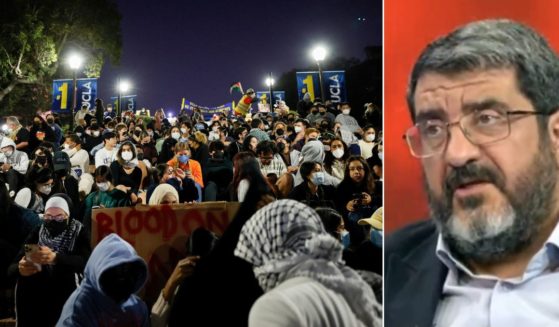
point(319, 53)
point(74, 61)
point(123, 87)
point(270, 83)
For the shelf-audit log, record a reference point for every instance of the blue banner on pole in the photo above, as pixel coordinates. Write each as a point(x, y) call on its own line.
point(128, 103)
point(208, 112)
point(265, 96)
point(62, 94)
point(334, 85)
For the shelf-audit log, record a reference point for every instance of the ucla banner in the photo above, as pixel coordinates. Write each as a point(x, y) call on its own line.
point(334, 85)
point(208, 112)
point(62, 94)
point(128, 103)
point(263, 98)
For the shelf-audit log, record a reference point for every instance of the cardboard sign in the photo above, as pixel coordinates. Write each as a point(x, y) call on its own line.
point(159, 233)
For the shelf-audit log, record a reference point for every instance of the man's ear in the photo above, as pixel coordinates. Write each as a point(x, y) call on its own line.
point(553, 130)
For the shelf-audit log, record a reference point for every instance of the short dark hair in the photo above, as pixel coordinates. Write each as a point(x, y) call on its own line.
point(307, 168)
point(266, 147)
point(255, 123)
point(304, 121)
point(238, 131)
point(74, 138)
point(105, 172)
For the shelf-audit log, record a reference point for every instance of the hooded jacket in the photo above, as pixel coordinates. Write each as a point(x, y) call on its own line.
point(90, 306)
point(18, 159)
point(314, 151)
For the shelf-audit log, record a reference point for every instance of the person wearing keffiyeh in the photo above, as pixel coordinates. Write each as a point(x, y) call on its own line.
point(299, 266)
point(48, 276)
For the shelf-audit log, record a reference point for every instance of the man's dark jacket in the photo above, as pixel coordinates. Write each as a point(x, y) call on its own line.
point(414, 276)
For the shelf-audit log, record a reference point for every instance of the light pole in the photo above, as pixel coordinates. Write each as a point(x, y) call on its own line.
point(270, 83)
point(74, 61)
point(319, 53)
point(123, 87)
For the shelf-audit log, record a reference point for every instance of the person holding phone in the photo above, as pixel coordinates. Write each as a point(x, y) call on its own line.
point(186, 169)
point(57, 251)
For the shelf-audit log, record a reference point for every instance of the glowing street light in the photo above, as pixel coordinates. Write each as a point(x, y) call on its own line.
point(318, 54)
point(74, 62)
point(270, 84)
point(123, 87)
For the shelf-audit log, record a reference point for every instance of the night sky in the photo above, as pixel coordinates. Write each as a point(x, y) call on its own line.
point(196, 49)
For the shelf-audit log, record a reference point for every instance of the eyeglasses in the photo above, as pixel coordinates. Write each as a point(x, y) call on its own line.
point(481, 127)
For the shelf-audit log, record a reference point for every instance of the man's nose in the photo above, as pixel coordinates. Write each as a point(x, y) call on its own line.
point(459, 149)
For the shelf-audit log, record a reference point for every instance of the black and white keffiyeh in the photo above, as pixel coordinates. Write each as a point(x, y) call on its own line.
point(286, 239)
point(65, 241)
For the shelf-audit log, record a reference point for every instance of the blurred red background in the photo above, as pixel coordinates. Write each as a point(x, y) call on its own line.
point(408, 27)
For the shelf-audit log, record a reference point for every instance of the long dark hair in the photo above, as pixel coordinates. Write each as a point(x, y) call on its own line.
point(246, 167)
point(329, 158)
point(246, 144)
point(368, 182)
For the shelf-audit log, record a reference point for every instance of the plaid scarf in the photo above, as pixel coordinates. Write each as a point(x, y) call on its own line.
point(65, 241)
point(286, 239)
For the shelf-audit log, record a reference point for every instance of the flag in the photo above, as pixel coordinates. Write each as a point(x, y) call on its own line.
point(236, 86)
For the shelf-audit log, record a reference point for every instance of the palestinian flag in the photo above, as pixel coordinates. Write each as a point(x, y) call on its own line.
point(236, 86)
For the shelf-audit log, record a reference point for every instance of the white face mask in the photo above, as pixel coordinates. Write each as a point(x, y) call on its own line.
point(370, 137)
point(96, 133)
point(45, 189)
point(381, 155)
point(175, 135)
point(8, 153)
point(66, 146)
point(346, 111)
point(298, 129)
point(103, 187)
point(127, 155)
point(215, 128)
point(183, 130)
point(338, 153)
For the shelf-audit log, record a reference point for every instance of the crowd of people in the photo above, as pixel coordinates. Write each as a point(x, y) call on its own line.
point(314, 175)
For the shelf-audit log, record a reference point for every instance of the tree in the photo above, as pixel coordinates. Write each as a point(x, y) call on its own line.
point(36, 34)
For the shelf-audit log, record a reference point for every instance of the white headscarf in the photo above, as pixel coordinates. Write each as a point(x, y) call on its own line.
point(286, 239)
point(161, 191)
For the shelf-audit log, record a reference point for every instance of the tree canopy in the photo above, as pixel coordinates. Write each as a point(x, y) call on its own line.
point(38, 34)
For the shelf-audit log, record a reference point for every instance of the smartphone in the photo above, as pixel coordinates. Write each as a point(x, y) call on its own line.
point(29, 250)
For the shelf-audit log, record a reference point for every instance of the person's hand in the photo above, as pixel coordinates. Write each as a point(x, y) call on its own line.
point(46, 256)
point(123, 188)
point(6, 166)
point(367, 199)
point(180, 173)
point(27, 268)
point(292, 169)
point(350, 206)
point(183, 269)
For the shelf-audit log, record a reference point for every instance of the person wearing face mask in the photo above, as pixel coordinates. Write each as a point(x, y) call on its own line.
point(214, 132)
point(198, 143)
point(84, 114)
point(347, 121)
point(40, 131)
point(106, 195)
point(79, 158)
point(297, 139)
point(49, 264)
point(64, 181)
point(106, 297)
point(148, 148)
point(42, 157)
point(314, 115)
point(324, 115)
point(368, 142)
point(312, 191)
point(18, 133)
point(335, 159)
point(93, 139)
point(187, 168)
point(13, 164)
point(58, 133)
point(127, 175)
point(38, 187)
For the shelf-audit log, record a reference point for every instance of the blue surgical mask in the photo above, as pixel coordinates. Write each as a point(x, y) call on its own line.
point(183, 158)
point(318, 178)
point(344, 238)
